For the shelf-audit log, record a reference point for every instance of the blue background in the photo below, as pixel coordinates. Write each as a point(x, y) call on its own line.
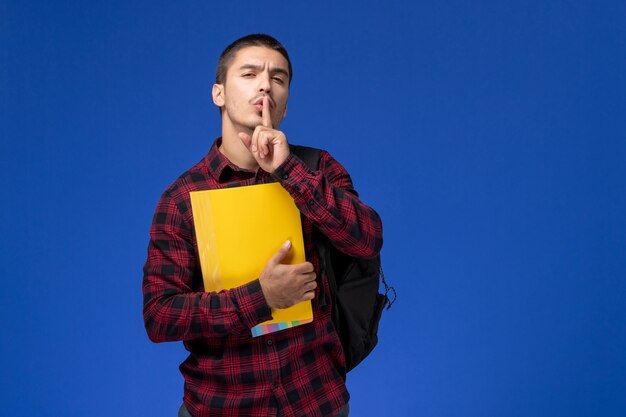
point(490, 136)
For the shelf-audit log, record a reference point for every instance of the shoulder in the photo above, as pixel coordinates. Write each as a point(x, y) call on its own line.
point(195, 178)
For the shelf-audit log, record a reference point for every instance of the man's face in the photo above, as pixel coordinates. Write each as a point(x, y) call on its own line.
point(255, 72)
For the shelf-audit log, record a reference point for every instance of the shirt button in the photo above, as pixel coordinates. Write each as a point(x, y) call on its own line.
point(285, 176)
point(269, 342)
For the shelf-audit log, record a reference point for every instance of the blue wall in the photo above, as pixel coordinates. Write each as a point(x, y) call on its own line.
point(490, 136)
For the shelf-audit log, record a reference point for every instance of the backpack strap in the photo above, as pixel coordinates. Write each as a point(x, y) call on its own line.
point(310, 156)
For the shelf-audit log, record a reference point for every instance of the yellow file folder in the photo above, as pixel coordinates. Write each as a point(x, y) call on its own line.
point(238, 230)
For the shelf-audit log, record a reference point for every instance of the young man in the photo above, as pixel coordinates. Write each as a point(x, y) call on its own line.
point(295, 372)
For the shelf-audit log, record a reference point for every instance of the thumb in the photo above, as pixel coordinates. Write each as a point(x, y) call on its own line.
point(282, 252)
point(246, 139)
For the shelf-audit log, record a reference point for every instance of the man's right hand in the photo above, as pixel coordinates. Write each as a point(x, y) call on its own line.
point(286, 285)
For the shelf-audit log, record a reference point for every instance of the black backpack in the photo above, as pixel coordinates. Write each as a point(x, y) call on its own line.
point(354, 283)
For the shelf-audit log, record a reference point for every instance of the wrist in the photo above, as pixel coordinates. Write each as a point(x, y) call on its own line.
point(266, 291)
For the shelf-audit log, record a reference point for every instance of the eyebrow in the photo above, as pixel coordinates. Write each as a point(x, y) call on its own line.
point(275, 70)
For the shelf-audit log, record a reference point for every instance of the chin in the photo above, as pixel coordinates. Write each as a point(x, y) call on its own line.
point(253, 122)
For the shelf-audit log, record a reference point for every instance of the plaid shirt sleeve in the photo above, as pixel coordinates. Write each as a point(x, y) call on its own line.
point(175, 307)
point(328, 199)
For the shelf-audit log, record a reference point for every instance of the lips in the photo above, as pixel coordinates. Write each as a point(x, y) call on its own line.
point(259, 103)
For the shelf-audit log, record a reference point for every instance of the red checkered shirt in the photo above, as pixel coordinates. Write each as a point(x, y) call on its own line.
point(299, 371)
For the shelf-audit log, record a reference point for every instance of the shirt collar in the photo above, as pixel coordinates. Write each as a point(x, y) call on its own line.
point(220, 167)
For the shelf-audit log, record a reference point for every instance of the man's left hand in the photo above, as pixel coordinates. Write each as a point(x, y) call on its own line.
point(268, 145)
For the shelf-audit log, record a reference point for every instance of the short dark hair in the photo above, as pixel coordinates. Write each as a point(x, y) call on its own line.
point(256, 39)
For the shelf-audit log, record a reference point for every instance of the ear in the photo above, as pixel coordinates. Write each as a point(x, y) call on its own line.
point(218, 94)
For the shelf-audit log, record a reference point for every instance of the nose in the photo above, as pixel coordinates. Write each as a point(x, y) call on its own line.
point(264, 82)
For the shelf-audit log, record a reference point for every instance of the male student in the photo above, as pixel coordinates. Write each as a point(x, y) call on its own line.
point(294, 372)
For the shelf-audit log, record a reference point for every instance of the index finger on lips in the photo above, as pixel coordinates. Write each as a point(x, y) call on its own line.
point(266, 114)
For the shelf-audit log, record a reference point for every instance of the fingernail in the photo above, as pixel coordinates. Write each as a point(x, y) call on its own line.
point(287, 244)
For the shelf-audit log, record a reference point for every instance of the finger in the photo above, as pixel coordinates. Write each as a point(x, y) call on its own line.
point(305, 280)
point(276, 140)
point(246, 139)
point(281, 253)
point(310, 277)
point(303, 268)
point(263, 143)
point(309, 295)
point(310, 286)
point(266, 115)
point(254, 145)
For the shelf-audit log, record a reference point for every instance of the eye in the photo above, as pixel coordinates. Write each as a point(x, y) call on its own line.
point(247, 74)
point(278, 80)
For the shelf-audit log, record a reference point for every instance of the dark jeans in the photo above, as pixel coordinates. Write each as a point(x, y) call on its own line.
point(183, 412)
